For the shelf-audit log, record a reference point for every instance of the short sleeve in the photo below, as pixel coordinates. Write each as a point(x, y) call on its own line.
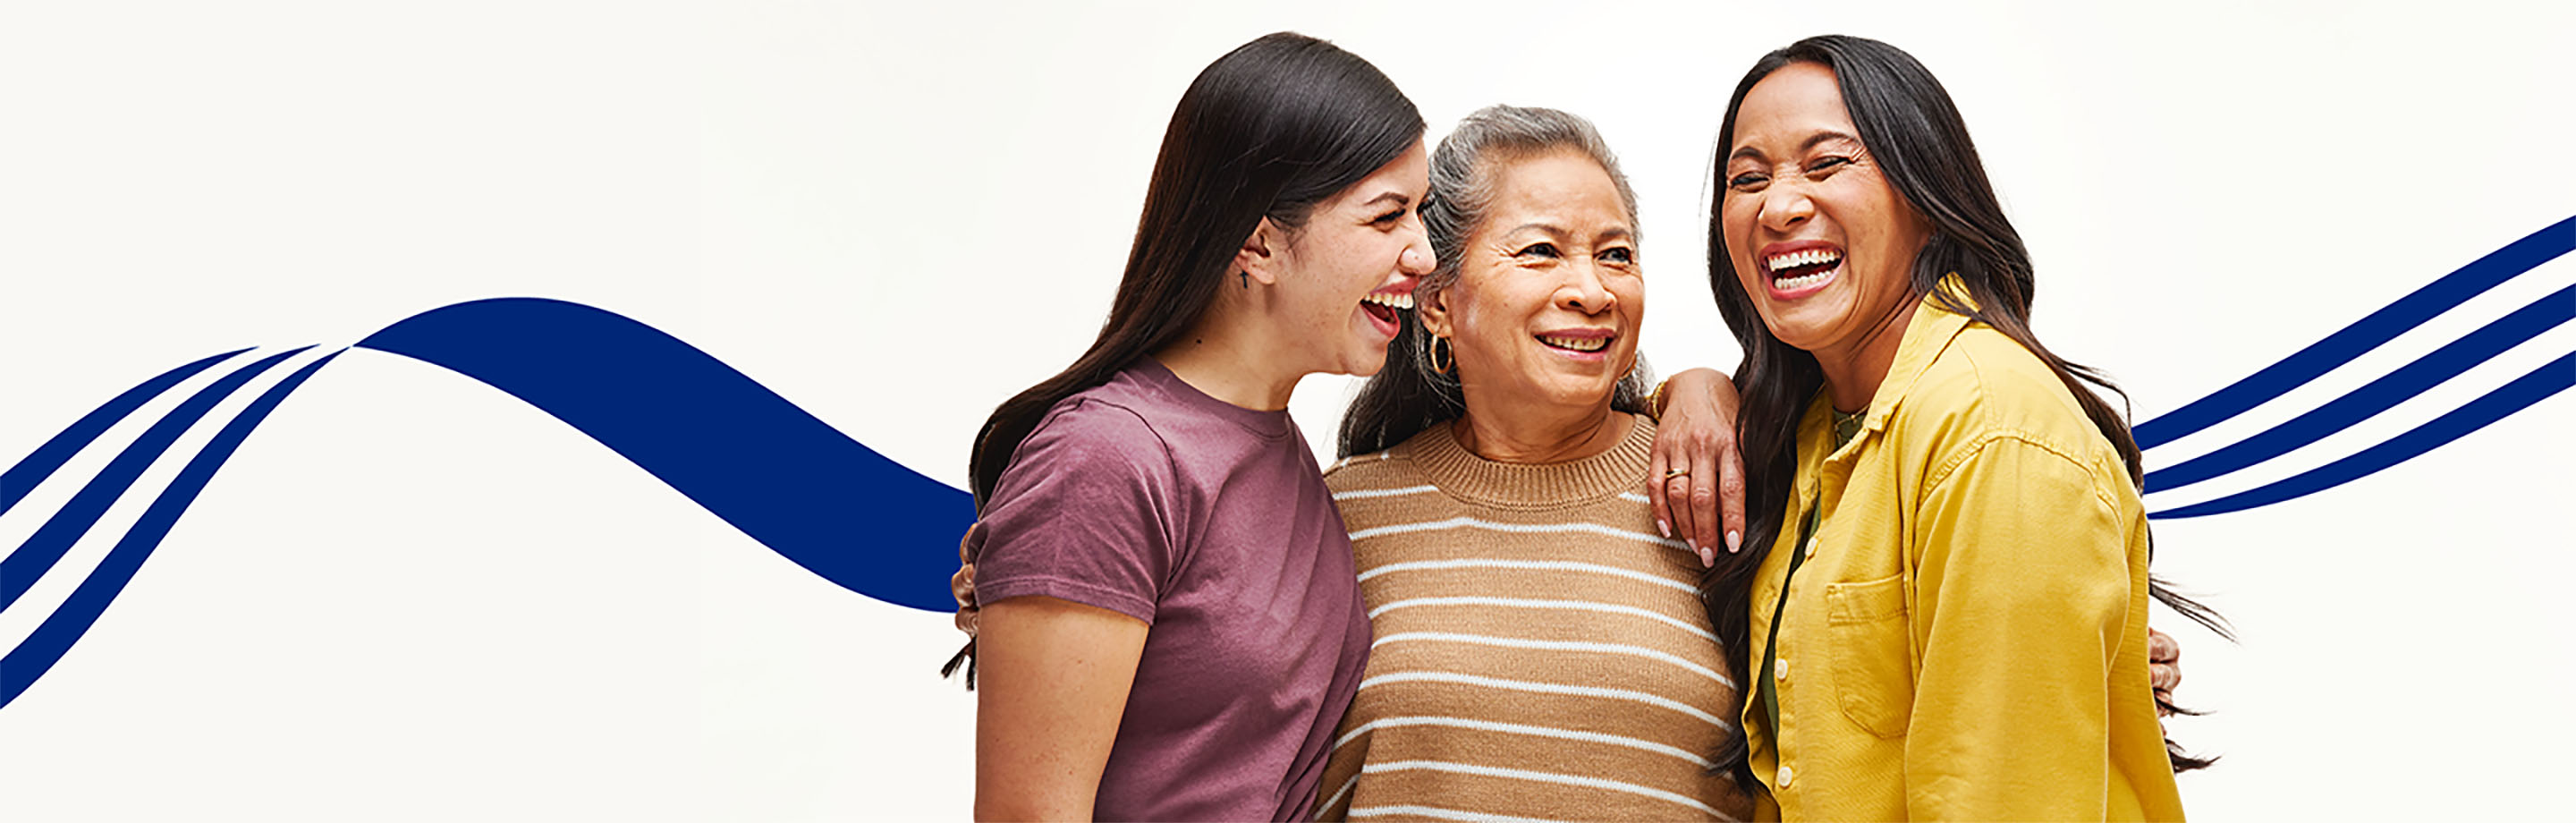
point(1082, 514)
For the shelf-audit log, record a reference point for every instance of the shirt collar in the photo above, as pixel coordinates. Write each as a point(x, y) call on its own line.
point(1926, 336)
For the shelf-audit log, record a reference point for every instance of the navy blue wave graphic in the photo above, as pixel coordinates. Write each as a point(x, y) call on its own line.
point(45, 646)
point(2449, 361)
point(2379, 395)
point(769, 468)
point(785, 478)
point(2363, 335)
point(839, 509)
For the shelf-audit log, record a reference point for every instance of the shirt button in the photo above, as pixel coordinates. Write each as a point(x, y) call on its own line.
point(1780, 669)
point(1785, 776)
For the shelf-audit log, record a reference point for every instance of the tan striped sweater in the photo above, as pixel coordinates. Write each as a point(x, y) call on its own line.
point(1539, 651)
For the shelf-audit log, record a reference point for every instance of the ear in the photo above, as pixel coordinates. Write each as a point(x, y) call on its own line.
point(1432, 305)
point(1263, 253)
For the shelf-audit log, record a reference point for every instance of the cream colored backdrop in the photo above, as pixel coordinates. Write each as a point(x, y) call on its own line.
point(413, 597)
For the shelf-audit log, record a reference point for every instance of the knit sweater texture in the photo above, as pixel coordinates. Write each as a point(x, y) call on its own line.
point(1538, 652)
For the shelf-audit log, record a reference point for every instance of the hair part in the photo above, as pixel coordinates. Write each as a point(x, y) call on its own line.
point(1409, 396)
point(1914, 131)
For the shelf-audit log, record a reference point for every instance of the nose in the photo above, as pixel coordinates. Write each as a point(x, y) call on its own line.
point(1583, 290)
point(1417, 258)
point(1785, 205)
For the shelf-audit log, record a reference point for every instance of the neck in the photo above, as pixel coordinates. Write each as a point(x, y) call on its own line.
point(1853, 373)
point(1506, 432)
point(1234, 360)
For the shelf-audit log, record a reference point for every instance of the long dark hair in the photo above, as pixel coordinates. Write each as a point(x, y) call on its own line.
point(1269, 130)
point(1914, 132)
point(1409, 395)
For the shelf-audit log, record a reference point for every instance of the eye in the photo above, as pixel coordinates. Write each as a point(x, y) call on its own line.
point(1389, 219)
point(1748, 181)
point(1825, 166)
point(1547, 250)
point(1621, 255)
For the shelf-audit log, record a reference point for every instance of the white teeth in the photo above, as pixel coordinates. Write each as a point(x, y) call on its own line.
point(1810, 257)
point(1577, 343)
point(1796, 283)
point(1392, 301)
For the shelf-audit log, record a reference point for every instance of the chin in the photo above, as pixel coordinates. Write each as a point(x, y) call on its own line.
point(1363, 361)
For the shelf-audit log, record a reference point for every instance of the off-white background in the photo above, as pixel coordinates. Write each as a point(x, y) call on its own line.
point(413, 597)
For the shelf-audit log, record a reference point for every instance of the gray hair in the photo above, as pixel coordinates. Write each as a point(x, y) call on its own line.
point(1464, 176)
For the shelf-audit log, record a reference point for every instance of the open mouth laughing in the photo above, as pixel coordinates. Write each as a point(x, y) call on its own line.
point(1800, 269)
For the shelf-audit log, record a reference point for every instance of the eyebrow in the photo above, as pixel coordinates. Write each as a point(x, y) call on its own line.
point(1811, 141)
point(1613, 233)
point(1396, 197)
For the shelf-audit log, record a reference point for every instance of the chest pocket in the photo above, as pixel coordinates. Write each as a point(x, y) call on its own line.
point(1872, 661)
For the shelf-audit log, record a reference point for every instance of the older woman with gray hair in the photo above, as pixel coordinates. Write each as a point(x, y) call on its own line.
point(1539, 646)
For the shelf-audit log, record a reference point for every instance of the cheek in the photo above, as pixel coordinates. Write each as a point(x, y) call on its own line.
point(1736, 227)
point(1633, 299)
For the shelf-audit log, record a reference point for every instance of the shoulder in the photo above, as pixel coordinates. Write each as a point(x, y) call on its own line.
point(1095, 437)
point(1986, 391)
point(1380, 470)
point(1365, 472)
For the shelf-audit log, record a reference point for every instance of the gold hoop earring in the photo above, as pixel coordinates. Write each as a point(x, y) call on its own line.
point(1439, 347)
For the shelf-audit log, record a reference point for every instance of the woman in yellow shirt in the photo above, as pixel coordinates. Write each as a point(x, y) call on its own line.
point(1945, 594)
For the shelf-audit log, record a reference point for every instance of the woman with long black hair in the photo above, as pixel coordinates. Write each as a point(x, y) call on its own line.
point(1171, 626)
point(1944, 597)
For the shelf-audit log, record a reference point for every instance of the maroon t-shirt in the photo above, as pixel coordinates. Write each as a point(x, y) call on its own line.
point(1211, 523)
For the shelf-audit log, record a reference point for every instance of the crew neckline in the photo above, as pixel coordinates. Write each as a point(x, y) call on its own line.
point(1466, 476)
point(1152, 374)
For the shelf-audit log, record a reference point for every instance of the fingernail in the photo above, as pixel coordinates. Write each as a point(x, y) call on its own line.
point(1707, 559)
point(1734, 542)
point(1664, 529)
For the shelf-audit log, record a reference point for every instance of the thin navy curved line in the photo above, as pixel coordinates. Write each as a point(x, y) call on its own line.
point(41, 463)
point(2379, 395)
point(46, 645)
point(42, 549)
point(2551, 378)
point(2363, 335)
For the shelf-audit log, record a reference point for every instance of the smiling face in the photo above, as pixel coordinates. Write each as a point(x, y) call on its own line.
point(1549, 292)
point(1342, 277)
point(1815, 233)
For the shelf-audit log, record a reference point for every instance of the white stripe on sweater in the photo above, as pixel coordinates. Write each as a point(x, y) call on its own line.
point(1325, 808)
point(1566, 605)
point(1543, 777)
point(1527, 565)
point(1554, 646)
point(1515, 528)
point(1362, 494)
point(1437, 813)
point(1516, 728)
point(1606, 693)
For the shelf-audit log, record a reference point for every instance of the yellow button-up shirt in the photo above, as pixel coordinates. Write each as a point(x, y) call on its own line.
point(1967, 639)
